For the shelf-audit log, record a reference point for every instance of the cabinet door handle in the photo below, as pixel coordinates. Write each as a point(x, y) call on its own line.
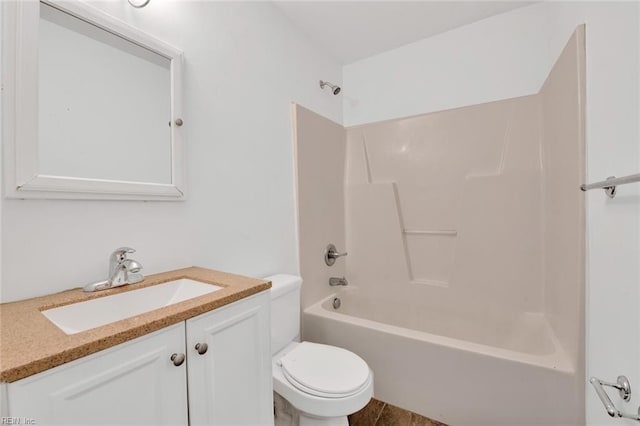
point(202, 348)
point(177, 359)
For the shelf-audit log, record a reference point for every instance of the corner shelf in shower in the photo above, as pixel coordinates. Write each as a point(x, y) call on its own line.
point(452, 232)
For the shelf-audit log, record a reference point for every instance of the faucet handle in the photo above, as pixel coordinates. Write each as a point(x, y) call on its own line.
point(125, 250)
point(120, 254)
point(331, 254)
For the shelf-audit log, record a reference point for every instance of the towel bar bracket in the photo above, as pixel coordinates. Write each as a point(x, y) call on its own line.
point(610, 190)
point(624, 390)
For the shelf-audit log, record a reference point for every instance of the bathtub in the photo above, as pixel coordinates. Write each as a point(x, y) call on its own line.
point(461, 369)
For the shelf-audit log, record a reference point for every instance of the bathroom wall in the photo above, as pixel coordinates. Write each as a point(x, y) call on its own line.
point(244, 64)
point(510, 55)
point(499, 57)
point(320, 159)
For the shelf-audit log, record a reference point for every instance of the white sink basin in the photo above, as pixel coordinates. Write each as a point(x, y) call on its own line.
point(82, 316)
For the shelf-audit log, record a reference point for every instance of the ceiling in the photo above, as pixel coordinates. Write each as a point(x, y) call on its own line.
point(353, 30)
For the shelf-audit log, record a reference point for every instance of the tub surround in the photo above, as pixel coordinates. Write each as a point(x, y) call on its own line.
point(320, 151)
point(32, 344)
point(478, 210)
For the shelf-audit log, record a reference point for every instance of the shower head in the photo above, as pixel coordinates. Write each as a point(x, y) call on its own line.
point(335, 89)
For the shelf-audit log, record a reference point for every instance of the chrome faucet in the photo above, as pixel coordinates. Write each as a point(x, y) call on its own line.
point(122, 271)
point(334, 281)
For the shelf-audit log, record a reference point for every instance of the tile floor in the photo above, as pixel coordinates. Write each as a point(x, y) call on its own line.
point(379, 413)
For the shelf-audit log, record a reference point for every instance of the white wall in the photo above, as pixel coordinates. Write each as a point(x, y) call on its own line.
point(496, 58)
point(510, 55)
point(244, 64)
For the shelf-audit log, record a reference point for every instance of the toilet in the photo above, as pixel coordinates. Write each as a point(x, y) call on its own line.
point(322, 383)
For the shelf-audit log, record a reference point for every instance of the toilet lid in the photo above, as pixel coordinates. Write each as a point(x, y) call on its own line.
point(325, 370)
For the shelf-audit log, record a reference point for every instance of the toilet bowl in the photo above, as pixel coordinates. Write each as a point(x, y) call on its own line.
point(323, 383)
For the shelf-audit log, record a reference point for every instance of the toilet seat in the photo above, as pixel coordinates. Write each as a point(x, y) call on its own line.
point(325, 371)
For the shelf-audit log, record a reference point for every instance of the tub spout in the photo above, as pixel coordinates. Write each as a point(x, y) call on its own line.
point(334, 281)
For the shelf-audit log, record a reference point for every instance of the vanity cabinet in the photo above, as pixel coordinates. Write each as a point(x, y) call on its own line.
point(227, 382)
point(130, 383)
point(231, 382)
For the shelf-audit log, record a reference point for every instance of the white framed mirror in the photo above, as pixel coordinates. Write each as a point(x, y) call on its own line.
point(91, 106)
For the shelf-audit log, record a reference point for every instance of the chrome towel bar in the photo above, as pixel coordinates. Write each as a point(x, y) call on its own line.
point(624, 389)
point(609, 185)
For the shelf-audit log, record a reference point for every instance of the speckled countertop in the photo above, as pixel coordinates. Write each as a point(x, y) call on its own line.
point(30, 343)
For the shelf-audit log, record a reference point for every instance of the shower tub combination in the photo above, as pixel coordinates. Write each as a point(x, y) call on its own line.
point(465, 234)
point(508, 372)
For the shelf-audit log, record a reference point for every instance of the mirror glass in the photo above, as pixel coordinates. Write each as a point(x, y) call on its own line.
point(104, 103)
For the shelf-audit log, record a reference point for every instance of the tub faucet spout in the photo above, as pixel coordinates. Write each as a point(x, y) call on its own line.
point(334, 281)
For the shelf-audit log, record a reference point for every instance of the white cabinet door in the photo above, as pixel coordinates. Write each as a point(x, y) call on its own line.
point(131, 383)
point(230, 384)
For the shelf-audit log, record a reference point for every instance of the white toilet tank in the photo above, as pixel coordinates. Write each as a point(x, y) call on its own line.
point(285, 310)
